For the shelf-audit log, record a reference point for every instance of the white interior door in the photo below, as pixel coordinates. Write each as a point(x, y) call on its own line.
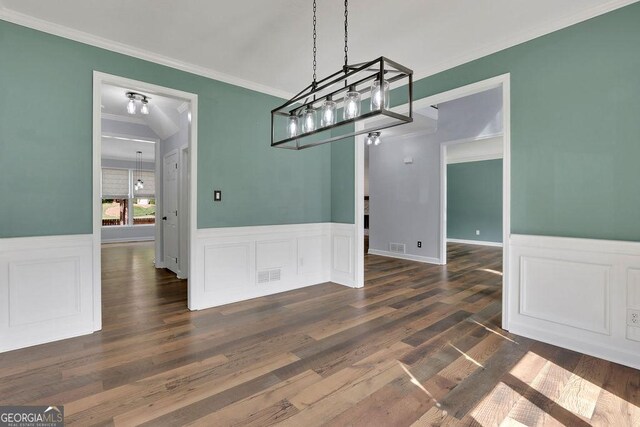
point(170, 231)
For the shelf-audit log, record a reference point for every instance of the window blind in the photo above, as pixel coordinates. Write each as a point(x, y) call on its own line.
point(149, 180)
point(115, 183)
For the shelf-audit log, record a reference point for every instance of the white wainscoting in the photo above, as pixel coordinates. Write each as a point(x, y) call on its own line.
point(239, 263)
point(46, 289)
point(575, 293)
point(343, 264)
point(476, 242)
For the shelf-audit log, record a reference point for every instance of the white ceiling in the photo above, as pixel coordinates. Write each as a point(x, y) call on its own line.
point(266, 45)
point(119, 149)
point(425, 121)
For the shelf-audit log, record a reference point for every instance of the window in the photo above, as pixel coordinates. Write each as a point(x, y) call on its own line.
point(115, 211)
point(122, 204)
point(144, 210)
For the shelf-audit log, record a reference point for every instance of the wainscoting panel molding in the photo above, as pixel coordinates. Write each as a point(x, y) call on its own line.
point(239, 263)
point(575, 293)
point(343, 266)
point(46, 289)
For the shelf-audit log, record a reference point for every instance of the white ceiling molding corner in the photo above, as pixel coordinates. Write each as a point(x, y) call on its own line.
point(523, 37)
point(125, 49)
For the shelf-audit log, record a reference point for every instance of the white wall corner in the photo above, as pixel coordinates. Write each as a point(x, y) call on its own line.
point(343, 253)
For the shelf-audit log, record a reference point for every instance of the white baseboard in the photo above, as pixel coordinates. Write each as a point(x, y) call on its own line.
point(46, 289)
point(575, 293)
point(475, 242)
point(129, 239)
point(409, 257)
point(616, 355)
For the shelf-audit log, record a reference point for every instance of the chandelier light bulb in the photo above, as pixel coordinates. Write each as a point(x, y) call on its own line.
point(351, 104)
point(309, 120)
point(131, 106)
point(328, 113)
point(292, 126)
point(145, 107)
point(380, 95)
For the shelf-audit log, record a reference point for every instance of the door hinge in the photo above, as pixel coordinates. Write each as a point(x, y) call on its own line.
point(176, 166)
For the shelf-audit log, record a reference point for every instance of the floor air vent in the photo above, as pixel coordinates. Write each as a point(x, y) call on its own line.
point(266, 276)
point(398, 248)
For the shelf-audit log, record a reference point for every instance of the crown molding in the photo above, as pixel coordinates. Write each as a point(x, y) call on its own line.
point(125, 49)
point(523, 37)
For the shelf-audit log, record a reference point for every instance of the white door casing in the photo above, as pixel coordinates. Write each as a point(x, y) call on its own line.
point(170, 212)
point(498, 81)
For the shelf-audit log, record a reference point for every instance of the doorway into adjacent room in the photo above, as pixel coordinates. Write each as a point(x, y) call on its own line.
point(436, 191)
point(143, 214)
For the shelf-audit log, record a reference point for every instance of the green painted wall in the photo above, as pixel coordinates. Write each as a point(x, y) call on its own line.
point(45, 142)
point(474, 200)
point(342, 181)
point(575, 126)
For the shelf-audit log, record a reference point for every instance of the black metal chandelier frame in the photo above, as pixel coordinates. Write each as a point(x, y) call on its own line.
point(355, 77)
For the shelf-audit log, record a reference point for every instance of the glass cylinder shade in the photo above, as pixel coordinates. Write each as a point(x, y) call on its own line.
point(379, 95)
point(292, 126)
point(131, 107)
point(351, 107)
point(328, 113)
point(309, 120)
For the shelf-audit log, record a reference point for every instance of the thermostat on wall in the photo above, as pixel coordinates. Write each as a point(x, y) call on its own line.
point(408, 160)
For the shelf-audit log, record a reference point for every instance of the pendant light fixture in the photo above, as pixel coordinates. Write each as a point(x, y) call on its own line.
point(143, 99)
point(139, 185)
point(295, 124)
point(373, 138)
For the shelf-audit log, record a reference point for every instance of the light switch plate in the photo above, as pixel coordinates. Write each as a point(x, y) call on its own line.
point(217, 195)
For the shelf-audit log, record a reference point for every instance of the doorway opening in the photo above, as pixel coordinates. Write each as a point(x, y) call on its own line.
point(406, 179)
point(144, 199)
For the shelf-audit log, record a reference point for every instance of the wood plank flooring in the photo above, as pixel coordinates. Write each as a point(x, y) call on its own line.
point(419, 345)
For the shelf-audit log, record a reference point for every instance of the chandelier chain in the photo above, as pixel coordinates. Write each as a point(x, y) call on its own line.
point(346, 34)
point(315, 49)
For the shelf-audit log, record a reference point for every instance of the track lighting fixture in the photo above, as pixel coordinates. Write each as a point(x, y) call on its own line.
point(373, 138)
point(131, 105)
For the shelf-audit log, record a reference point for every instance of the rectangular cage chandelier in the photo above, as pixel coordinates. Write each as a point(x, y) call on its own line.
point(356, 100)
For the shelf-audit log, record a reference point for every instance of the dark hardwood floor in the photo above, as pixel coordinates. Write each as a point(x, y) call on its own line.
point(419, 345)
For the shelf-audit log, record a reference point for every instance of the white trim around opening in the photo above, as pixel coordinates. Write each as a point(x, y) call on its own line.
point(471, 89)
point(100, 79)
